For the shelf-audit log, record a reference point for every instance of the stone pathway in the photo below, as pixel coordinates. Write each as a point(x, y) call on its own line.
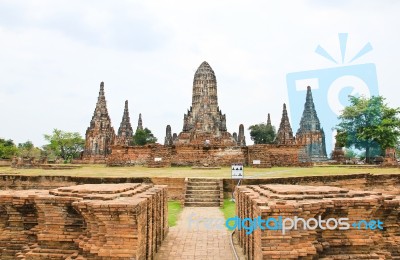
point(200, 234)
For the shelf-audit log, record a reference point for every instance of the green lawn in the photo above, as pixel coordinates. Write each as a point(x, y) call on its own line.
point(224, 172)
point(174, 208)
point(228, 209)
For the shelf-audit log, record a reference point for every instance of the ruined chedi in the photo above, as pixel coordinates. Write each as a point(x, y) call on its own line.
point(310, 133)
point(140, 123)
point(241, 139)
point(204, 122)
point(125, 131)
point(285, 133)
point(100, 135)
point(168, 141)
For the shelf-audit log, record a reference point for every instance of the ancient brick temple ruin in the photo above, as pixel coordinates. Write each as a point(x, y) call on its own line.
point(100, 135)
point(273, 201)
point(310, 133)
point(90, 221)
point(204, 139)
point(204, 121)
point(285, 133)
point(125, 131)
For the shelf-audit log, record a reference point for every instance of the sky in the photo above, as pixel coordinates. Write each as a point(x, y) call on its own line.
point(54, 54)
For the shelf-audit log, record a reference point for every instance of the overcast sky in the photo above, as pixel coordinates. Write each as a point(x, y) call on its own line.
point(54, 54)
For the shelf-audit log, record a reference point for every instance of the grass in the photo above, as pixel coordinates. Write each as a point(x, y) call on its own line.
point(228, 209)
point(174, 209)
point(181, 172)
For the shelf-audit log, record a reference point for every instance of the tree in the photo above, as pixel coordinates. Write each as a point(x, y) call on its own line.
point(143, 136)
point(7, 149)
point(262, 133)
point(67, 145)
point(350, 154)
point(27, 149)
point(368, 123)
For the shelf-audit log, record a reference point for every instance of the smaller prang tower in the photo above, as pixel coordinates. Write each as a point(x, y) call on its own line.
point(310, 133)
point(285, 133)
point(125, 131)
point(100, 135)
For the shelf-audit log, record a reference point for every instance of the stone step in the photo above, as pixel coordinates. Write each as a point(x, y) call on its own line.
point(202, 195)
point(215, 199)
point(203, 180)
point(199, 192)
point(203, 183)
point(205, 188)
point(201, 204)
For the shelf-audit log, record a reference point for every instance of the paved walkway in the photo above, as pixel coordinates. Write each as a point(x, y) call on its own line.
point(200, 234)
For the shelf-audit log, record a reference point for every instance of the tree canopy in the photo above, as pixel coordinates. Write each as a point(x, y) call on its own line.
point(27, 149)
point(143, 136)
point(67, 145)
point(7, 149)
point(368, 123)
point(262, 133)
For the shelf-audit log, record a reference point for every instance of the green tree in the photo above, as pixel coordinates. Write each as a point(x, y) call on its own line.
point(262, 133)
point(67, 145)
point(27, 149)
point(368, 123)
point(7, 149)
point(350, 154)
point(143, 137)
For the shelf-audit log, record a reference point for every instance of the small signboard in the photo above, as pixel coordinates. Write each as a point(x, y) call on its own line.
point(237, 171)
point(256, 162)
point(157, 159)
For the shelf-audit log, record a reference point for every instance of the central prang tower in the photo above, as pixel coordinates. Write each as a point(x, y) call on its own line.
point(204, 123)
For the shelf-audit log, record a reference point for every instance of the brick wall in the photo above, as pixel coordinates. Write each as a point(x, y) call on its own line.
point(201, 155)
point(101, 221)
point(289, 201)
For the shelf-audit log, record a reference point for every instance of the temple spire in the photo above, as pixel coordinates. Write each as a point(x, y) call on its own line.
point(310, 133)
point(285, 133)
point(140, 123)
point(309, 120)
point(241, 139)
point(269, 120)
point(125, 131)
point(168, 140)
point(100, 134)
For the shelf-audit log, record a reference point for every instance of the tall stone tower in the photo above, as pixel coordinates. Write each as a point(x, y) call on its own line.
point(168, 140)
point(310, 132)
point(241, 139)
point(204, 122)
point(140, 123)
point(125, 131)
point(285, 133)
point(269, 120)
point(100, 135)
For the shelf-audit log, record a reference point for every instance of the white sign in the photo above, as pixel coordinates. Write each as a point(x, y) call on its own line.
point(157, 159)
point(256, 162)
point(237, 171)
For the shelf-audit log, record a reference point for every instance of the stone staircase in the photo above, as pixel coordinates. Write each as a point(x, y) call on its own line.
point(204, 192)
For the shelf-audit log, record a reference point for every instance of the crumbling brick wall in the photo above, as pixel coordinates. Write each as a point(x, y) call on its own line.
point(101, 221)
point(289, 201)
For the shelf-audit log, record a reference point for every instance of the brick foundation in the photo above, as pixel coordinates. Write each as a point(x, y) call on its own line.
point(101, 221)
point(319, 201)
point(156, 155)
